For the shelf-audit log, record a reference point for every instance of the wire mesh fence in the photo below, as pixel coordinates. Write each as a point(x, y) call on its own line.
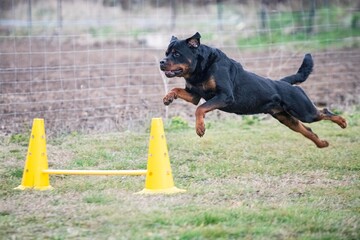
point(92, 65)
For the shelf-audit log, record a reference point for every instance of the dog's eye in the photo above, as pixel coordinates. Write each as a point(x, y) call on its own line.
point(176, 54)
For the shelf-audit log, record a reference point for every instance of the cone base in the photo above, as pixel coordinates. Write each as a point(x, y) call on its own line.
point(22, 188)
point(44, 188)
point(172, 190)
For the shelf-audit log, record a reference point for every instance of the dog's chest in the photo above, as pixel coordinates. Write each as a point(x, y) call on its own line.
point(206, 89)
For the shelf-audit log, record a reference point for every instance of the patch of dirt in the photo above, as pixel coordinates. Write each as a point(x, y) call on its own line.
point(116, 85)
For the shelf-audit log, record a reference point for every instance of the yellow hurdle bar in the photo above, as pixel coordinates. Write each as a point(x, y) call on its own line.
point(95, 172)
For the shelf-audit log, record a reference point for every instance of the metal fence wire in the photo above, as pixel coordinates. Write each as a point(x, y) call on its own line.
point(91, 65)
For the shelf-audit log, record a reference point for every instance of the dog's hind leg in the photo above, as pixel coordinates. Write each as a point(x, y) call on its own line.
point(325, 114)
point(300, 107)
point(295, 125)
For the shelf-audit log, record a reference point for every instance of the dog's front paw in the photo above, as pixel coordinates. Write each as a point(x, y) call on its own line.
point(169, 98)
point(200, 128)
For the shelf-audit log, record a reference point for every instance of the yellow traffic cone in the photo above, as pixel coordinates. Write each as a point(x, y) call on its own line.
point(159, 177)
point(36, 160)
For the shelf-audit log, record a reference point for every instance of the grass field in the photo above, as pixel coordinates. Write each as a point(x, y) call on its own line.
point(245, 179)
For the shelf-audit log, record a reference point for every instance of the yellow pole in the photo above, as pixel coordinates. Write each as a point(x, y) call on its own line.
point(95, 172)
point(36, 159)
point(159, 176)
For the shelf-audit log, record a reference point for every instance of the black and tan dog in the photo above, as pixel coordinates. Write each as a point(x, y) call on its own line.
point(225, 85)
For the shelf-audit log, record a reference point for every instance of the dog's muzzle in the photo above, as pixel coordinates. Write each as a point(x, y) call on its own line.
point(168, 71)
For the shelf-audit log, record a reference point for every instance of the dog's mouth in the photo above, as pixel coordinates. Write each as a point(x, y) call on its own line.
point(173, 73)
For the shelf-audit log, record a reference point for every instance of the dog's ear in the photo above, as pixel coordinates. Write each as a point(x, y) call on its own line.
point(173, 39)
point(194, 41)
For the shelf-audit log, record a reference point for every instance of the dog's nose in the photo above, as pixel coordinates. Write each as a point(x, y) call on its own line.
point(162, 62)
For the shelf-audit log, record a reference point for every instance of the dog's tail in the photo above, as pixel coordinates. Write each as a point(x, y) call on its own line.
point(303, 72)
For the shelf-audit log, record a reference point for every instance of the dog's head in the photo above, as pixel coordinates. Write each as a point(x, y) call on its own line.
point(181, 57)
